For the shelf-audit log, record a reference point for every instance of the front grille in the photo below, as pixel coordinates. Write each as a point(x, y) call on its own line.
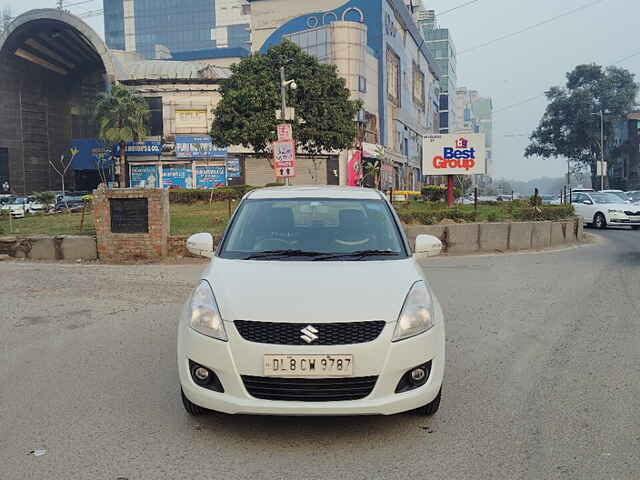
point(632, 214)
point(309, 389)
point(346, 333)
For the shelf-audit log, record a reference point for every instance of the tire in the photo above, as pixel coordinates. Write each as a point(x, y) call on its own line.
point(599, 221)
point(430, 408)
point(191, 408)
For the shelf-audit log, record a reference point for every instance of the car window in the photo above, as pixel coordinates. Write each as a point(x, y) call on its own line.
point(321, 226)
point(579, 197)
point(604, 198)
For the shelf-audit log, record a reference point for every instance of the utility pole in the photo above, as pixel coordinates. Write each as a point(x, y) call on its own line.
point(284, 84)
point(601, 150)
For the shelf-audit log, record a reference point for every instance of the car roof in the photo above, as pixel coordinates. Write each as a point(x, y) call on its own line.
point(315, 191)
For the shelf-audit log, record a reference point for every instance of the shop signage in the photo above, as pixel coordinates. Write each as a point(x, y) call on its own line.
point(135, 149)
point(192, 119)
point(198, 147)
point(91, 154)
point(210, 177)
point(285, 132)
point(453, 154)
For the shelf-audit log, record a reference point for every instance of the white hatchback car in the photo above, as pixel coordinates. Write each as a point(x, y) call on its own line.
point(605, 209)
point(313, 304)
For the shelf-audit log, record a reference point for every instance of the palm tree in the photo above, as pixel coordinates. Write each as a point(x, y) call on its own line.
point(121, 117)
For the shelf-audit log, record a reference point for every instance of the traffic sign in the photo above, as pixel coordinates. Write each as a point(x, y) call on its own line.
point(285, 132)
point(284, 158)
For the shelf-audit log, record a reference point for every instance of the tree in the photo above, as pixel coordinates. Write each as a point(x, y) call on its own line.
point(121, 117)
point(569, 127)
point(250, 97)
point(61, 165)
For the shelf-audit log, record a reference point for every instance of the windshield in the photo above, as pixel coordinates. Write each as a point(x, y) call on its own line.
point(312, 228)
point(634, 196)
point(602, 198)
point(621, 195)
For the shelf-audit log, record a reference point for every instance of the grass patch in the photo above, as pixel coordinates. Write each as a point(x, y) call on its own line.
point(54, 224)
point(200, 217)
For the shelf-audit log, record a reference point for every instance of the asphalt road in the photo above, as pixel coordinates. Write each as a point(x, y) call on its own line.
point(542, 380)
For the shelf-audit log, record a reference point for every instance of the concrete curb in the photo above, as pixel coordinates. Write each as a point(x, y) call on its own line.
point(499, 237)
point(50, 248)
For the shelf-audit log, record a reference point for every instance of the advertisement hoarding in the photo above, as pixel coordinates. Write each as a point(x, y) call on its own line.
point(210, 177)
point(91, 154)
point(198, 147)
point(192, 119)
point(144, 176)
point(454, 154)
point(233, 168)
point(177, 177)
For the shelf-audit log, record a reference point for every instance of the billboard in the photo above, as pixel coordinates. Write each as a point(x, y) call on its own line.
point(91, 154)
point(198, 147)
point(177, 177)
point(233, 168)
point(196, 119)
point(210, 177)
point(284, 158)
point(144, 176)
point(454, 154)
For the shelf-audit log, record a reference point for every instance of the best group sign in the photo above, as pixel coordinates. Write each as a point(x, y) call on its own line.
point(454, 154)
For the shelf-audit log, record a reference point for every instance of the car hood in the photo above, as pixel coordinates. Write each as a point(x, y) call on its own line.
point(314, 292)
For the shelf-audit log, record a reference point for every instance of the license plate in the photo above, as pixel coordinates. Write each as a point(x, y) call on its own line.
point(308, 365)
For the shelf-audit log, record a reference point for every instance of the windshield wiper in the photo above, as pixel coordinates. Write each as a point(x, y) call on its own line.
point(283, 254)
point(358, 255)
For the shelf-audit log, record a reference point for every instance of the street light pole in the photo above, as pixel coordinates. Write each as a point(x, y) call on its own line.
point(283, 114)
point(601, 114)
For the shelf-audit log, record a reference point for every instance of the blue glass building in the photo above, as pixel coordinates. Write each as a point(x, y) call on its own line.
point(155, 28)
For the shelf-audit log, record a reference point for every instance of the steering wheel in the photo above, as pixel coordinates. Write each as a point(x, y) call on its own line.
point(269, 244)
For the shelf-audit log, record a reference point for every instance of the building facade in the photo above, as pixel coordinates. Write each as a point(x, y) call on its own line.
point(160, 28)
point(475, 115)
point(624, 154)
point(379, 50)
point(440, 43)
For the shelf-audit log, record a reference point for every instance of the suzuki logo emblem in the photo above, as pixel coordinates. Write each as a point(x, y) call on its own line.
point(309, 334)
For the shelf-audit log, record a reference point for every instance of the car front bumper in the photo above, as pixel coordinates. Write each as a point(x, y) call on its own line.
point(382, 358)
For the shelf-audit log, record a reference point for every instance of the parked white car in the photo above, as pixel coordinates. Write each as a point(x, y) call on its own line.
point(21, 206)
point(313, 304)
point(604, 209)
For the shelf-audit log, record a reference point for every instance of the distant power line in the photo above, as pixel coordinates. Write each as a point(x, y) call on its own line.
point(531, 27)
point(456, 8)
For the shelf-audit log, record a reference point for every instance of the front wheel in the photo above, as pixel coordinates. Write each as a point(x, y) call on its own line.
point(599, 221)
point(430, 408)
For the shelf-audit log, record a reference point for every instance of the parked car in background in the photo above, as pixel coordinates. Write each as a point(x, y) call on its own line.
point(19, 207)
point(69, 203)
point(634, 196)
point(605, 209)
point(35, 206)
point(5, 201)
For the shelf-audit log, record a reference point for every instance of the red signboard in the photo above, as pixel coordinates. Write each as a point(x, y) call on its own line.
point(285, 132)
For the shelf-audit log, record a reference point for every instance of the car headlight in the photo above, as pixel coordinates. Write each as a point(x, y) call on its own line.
point(417, 315)
point(615, 211)
point(204, 314)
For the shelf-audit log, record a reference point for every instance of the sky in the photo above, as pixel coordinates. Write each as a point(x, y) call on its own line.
point(511, 70)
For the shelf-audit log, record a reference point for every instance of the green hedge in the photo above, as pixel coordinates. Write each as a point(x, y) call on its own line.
point(235, 192)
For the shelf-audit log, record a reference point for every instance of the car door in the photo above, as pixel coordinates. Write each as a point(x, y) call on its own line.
point(577, 200)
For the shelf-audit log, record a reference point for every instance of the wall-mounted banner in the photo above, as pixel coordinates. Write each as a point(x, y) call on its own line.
point(233, 168)
point(210, 177)
point(454, 154)
point(144, 176)
point(91, 155)
point(198, 147)
point(136, 149)
point(177, 177)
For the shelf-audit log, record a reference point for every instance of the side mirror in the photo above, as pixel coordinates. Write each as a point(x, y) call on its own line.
point(587, 202)
point(428, 246)
point(201, 244)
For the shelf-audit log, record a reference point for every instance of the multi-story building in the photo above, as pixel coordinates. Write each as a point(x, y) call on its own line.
point(482, 111)
point(379, 50)
point(440, 43)
point(159, 28)
point(467, 121)
point(624, 154)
